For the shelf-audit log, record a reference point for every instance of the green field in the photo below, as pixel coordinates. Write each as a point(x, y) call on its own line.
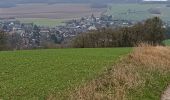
point(138, 11)
point(167, 42)
point(43, 21)
point(39, 73)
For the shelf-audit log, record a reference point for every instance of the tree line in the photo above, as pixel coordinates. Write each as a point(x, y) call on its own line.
point(150, 31)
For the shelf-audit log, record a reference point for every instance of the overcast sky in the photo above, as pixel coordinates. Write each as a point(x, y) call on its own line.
point(72, 1)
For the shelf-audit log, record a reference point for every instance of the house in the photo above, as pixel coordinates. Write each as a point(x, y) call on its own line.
point(92, 28)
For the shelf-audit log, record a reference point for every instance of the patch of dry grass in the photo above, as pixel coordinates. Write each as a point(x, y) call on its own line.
point(134, 73)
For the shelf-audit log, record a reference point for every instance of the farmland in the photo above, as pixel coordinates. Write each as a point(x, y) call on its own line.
point(54, 11)
point(54, 14)
point(143, 75)
point(39, 73)
point(49, 14)
point(43, 21)
point(138, 11)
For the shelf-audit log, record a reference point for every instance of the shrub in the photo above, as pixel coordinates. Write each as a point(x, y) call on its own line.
point(151, 31)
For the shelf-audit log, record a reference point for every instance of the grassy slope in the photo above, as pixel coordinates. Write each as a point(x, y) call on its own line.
point(120, 10)
point(143, 75)
point(155, 73)
point(42, 21)
point(37, 74)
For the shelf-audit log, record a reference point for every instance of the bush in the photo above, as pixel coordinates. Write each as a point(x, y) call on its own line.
point(151, 31)
point(3, 42)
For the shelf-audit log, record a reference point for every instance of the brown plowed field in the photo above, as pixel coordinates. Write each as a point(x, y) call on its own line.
point(59, 11)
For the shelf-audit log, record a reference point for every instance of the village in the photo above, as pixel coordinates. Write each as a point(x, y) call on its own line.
point(30, 35)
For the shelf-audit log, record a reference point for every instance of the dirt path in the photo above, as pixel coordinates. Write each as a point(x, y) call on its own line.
point(166, 95)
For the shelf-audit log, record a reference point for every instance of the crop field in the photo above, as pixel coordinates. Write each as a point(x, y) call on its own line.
point(43, 21)
point(49, 15)
point(53, 11)
point(39, 73)
point(138, 11)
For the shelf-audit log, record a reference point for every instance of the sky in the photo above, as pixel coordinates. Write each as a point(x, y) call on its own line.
point(71, 1)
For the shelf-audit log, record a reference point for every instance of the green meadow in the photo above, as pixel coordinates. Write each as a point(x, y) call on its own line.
point(43, 21)
point(37, 74)
point(138, 11)
point(167, 42)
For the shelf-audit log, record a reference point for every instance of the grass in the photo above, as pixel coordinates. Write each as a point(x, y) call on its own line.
point(143, 75)
point(120, 11)
point(167, 42)
point(38, 74)
point(43, 21)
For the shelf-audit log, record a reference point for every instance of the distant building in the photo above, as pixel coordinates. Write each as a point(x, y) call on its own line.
point(92, 28)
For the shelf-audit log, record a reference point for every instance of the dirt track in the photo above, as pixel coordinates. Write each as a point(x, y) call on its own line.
point(166, 95)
